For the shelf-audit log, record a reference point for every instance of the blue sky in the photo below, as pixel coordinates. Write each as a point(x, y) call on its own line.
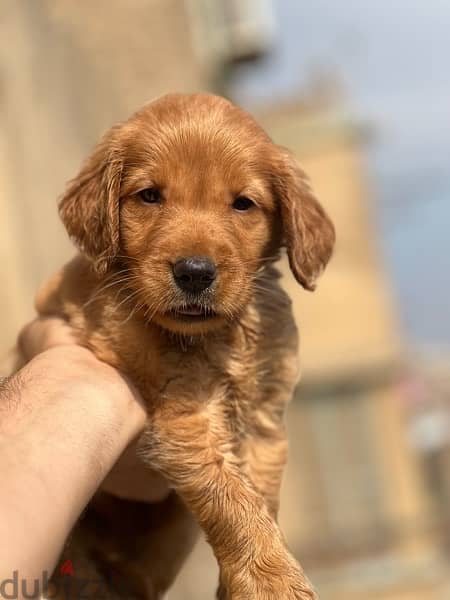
point(394, 59)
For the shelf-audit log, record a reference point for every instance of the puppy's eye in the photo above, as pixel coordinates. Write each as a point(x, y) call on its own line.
point(150, 196)
point(242, 203)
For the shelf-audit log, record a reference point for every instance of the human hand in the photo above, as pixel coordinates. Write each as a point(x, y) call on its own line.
point(129, 477)
point(65, 419)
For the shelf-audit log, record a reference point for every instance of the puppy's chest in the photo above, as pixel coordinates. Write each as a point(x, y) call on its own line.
point(213, 372)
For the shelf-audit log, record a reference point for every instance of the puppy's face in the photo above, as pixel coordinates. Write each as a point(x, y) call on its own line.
point(192, 197)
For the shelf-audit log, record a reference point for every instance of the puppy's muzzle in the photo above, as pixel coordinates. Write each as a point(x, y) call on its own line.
point(194, 274)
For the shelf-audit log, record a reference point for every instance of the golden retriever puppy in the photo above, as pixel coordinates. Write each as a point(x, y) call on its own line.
point(179, 216)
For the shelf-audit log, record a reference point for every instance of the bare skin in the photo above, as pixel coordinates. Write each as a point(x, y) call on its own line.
point(66, 419)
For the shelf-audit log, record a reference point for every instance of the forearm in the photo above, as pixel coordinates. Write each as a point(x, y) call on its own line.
point(58, 440)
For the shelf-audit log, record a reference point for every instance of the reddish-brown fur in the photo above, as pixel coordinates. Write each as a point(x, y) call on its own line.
point(215, 388)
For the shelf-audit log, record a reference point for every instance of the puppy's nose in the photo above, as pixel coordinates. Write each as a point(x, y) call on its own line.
point(194, 273)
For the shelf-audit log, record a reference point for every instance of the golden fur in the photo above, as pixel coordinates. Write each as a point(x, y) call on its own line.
point(216, 386)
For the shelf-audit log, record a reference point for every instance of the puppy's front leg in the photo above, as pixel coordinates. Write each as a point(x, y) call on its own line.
point(193, 449)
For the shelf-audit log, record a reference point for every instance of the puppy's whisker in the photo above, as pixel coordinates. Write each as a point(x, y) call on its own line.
point(138, 306)
point(111, 284)
point(123, 281)
point(125, 257)
point(259, 261)
point(259, 285)
point(155, 308)
point(125, 300)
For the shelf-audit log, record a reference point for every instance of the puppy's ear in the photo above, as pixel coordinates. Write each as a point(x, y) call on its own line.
point(309, 234)
point(90, 207)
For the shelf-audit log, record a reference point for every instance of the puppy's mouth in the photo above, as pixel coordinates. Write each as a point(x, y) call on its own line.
point(192, 312)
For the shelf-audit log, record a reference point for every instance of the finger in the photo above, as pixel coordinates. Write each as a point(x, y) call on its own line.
point(44, 333)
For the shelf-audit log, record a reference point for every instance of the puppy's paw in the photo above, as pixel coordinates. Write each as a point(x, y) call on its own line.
point(279, 591)
point(268, 582)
